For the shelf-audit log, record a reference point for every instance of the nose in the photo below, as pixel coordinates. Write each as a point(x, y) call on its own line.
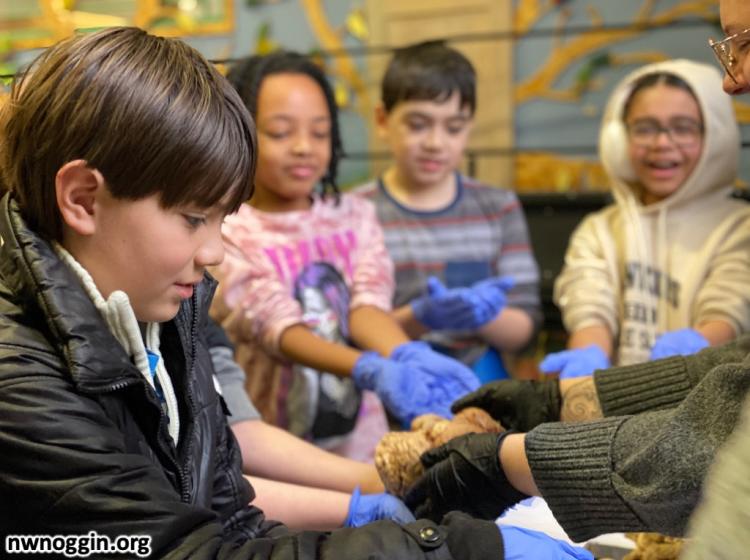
point(663, 138)
point(434, 138)
point(733, 87)
point(211, 251)
point(301, 144)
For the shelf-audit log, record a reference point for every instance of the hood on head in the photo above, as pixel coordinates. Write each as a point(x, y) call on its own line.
point(717, 165)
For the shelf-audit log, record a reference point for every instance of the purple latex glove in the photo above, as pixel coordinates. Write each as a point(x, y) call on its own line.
point(578, 362)
point(461, 308)
point(682, 342)
point(525, 544)
point(366, 508)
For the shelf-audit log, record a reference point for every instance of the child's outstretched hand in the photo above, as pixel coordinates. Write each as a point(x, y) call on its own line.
point(461, 308)
point(577, 362)
point(682, 342)
point(366, 508)
point(415, 380)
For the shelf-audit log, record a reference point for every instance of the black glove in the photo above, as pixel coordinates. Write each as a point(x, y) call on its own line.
point(465, 475)
point(517, 405)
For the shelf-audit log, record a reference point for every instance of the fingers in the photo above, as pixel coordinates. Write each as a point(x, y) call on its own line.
point(419, 499)
point(553, 363)
point(426, 511)
point(576, 552)
point(396, 510)
point(506, 283)
point(434, 456)
point(435, 287)
point(472, 399)
point(417, 495)
point(488, 397)
point(500, 283)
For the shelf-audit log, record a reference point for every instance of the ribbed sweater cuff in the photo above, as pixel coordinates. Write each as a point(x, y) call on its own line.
point(641, 387)
point(572, 467)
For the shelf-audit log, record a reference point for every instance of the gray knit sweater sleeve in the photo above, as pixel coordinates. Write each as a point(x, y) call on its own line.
point(642, 472)
point(663, 383)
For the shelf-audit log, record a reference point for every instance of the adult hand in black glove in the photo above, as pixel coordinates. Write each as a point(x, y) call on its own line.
point(517, 405)
point(464, 474)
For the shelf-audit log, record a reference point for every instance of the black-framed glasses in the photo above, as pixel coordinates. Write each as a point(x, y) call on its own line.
point(683, 132)
point(727, 53)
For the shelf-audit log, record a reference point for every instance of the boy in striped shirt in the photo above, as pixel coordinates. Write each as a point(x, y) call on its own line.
point(466, 278)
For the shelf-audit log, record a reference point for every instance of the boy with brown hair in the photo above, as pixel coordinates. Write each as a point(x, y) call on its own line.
point(122, 153)
point(463, 261)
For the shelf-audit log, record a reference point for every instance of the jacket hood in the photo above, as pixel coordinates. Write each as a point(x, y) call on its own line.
point(717, 166)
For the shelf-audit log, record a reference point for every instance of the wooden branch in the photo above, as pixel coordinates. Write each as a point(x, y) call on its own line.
point(527, 13)
point(540, 85)
point(344, 65)
point(552, 172)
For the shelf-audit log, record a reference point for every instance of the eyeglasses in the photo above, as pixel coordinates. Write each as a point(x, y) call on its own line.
point(727, 52)
point(684, 133)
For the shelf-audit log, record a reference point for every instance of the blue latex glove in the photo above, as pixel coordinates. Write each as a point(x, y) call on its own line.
point(461, 308)
point(364, 509)
point(575, 363)
point(525, 544)
point(416, 380)
point(446, 378)
point(678, 343)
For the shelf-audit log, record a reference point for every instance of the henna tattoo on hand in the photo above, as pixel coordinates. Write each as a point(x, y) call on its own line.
point(580, 401)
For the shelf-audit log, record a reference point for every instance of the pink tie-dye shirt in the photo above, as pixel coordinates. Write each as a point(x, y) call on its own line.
point(265, 255)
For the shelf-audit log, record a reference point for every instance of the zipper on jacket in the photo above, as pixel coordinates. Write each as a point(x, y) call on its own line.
point(168, 449)
point(188, 394)
point(167, 444)
point(118, 386)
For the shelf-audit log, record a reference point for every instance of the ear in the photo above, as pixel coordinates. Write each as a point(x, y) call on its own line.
point(76, 188)
point(381, 119)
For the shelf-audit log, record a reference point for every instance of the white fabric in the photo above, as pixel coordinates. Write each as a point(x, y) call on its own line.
point(695, 244)
point(535, 514)
point(122, 323)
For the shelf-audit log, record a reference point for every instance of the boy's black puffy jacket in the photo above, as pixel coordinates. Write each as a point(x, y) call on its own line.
point(84, 445)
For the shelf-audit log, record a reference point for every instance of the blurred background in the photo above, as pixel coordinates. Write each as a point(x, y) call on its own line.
point(545, 66)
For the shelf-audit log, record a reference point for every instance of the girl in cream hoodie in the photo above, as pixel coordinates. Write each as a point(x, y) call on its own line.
point(665, 270)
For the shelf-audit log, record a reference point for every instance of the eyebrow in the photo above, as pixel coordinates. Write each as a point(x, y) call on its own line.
point(733, 29)
point(668, 119)
point(420, 114)
point(287, 118)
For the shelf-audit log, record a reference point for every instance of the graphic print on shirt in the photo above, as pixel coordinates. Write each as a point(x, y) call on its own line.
point(290, 260)
point(330, 403)
point(648, 294)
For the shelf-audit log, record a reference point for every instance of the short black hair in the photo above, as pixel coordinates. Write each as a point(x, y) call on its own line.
point(654, 79)
point(248, 74)
point(430, 70)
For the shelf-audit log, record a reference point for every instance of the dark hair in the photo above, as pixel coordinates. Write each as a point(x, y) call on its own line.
point(428, 71)
point(651, 80)
point(247, 75)
point(150, 113)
